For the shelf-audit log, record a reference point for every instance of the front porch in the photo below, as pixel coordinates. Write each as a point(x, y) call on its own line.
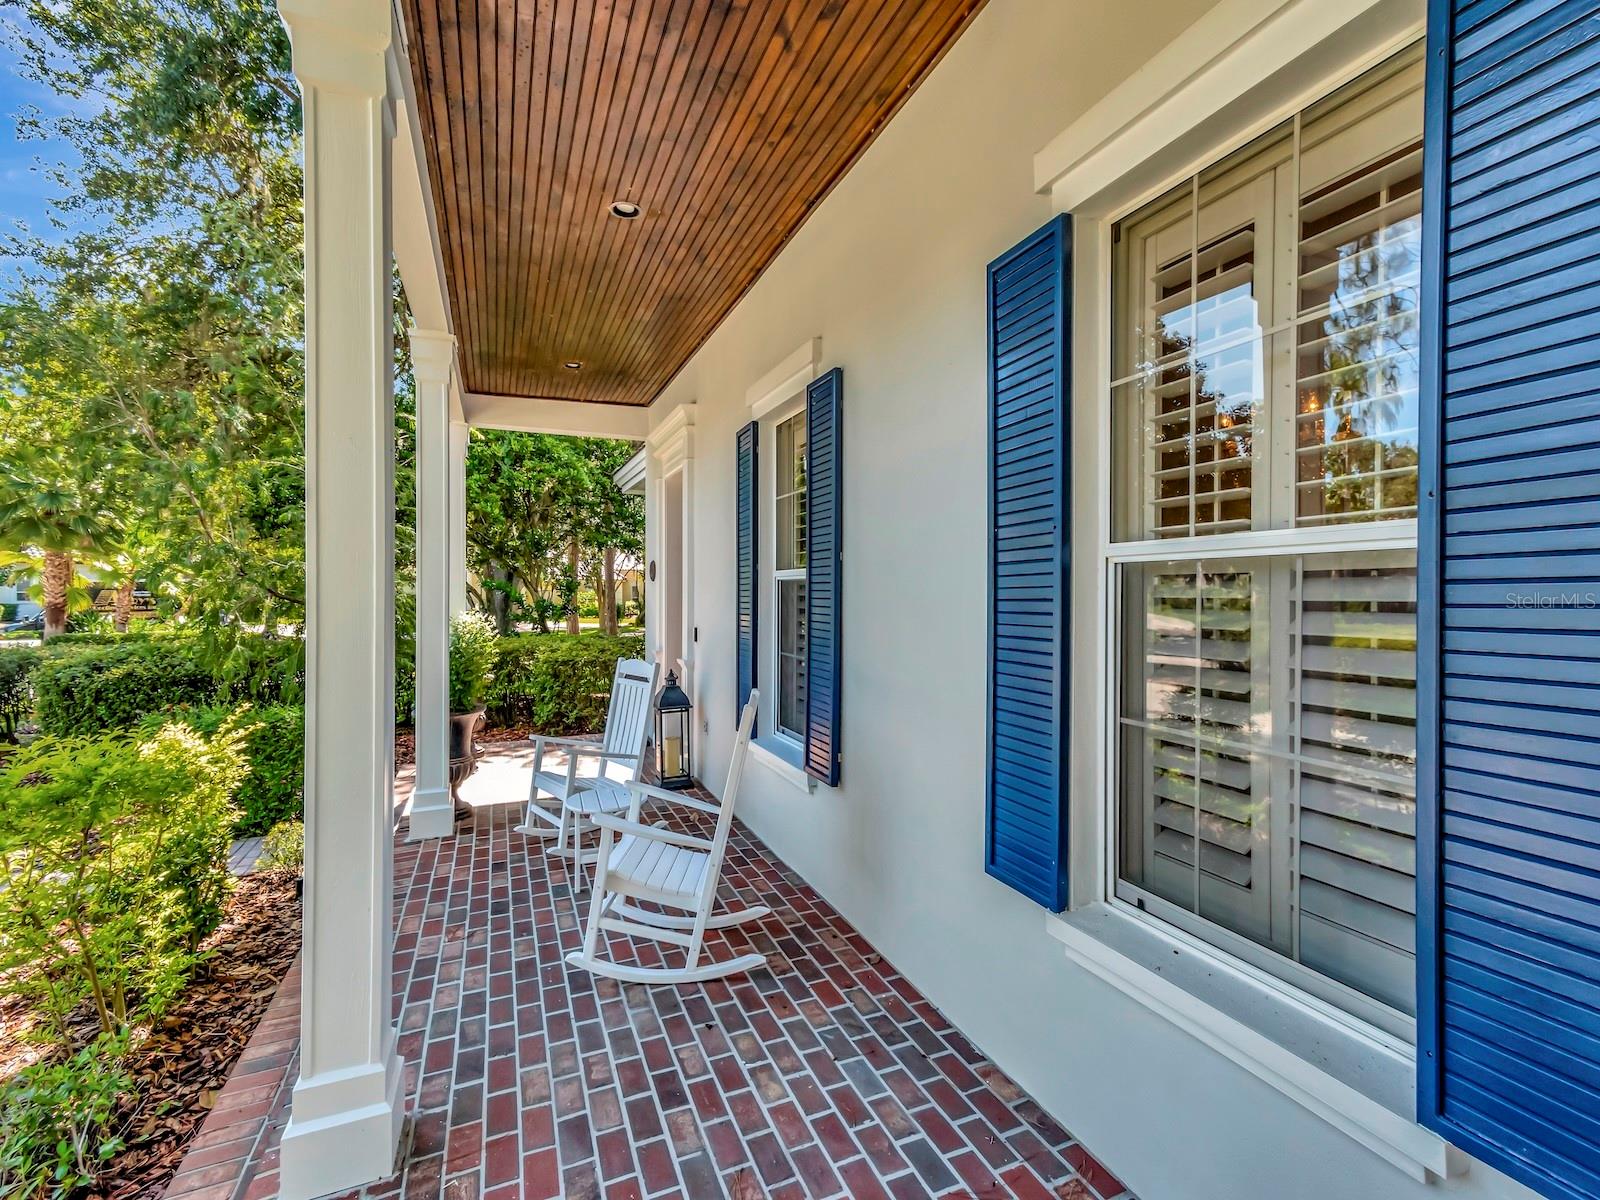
point(826, 1074)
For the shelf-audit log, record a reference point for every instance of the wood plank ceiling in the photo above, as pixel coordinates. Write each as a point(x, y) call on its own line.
point(726, 121)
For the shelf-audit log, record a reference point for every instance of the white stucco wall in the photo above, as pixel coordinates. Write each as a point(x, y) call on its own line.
point(889, 273)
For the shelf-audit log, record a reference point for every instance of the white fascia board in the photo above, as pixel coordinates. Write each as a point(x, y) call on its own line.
point(574, 418)
point(1263, 51)
point(630, 475)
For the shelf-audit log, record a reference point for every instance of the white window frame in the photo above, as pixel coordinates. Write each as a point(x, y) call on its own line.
point(1310, 541)
point(778, 394)
point(774, 576)
point(1242, 69)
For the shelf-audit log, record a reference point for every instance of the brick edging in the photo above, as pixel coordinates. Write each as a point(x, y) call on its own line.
point(225, 1158)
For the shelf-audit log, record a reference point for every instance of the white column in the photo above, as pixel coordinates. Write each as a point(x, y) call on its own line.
point(433, 359)
point(347, 1108)
point(459, 433)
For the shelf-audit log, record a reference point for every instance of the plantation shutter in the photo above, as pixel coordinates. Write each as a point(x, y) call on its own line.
point(747, 479)
point(824, 506)
point(1025, 842)
point(1508, 1040)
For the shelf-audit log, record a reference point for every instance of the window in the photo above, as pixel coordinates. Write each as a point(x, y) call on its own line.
point(789, 576)
point(1263, 563)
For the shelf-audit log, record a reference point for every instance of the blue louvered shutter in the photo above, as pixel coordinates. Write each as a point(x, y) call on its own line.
point(747, 479)
point(1026, 838)
point(1508, 1037)
point(824, 506)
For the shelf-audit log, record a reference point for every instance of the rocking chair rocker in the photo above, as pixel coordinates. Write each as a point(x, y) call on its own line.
point(639, 862)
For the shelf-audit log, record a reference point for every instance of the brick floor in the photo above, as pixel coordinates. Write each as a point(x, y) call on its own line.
point(825, 1074)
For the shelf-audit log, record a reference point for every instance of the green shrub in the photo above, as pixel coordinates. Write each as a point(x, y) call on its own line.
point(274, 742)
point(472, 659)
point(555, 682)
point(100, 637)
point(115, 850)
point(8, 611)
point(56, 1130)
point(284, 847)
point(254, 667)
point(16, 688)
point(88, 689)
point(87, 620)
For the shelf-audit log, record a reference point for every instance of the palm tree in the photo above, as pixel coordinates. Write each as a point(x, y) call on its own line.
point(55, 514)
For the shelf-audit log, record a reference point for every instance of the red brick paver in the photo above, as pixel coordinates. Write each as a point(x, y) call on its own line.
point(825, 1074)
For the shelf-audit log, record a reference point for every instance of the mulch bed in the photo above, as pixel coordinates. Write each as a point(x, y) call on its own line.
point(179, 1069)
point(405, 741)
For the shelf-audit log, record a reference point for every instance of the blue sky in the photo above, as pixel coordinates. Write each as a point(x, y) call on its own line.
point(24, 189)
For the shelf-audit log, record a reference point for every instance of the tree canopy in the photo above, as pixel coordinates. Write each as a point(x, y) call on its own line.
point(151, 355)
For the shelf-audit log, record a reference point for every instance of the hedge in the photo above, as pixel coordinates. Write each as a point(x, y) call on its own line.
point(16, 688)
point(88, 689)
point(555, 682)
point(274, 746)
point(103, 637)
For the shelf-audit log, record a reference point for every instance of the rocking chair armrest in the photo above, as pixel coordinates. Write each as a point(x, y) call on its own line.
point(646, 791)
point(566, 743)
point(621, 825)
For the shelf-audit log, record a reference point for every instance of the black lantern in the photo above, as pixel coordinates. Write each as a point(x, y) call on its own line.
point(673, 762)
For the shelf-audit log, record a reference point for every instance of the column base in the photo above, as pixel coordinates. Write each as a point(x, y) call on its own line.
point(343, 1131)
point(433, 814)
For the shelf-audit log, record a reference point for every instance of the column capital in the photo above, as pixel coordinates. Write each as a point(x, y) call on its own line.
point(341, 45)
point(433, 355)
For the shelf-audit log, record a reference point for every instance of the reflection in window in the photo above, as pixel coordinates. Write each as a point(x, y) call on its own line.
point(1264, 381)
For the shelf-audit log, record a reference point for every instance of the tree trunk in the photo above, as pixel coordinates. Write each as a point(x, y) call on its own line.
point(572, 566)
point(123, 612)
point(500, 599)
point(608, 592)
point(57, 580)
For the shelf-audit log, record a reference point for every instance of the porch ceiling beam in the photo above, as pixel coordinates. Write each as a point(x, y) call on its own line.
point(575, 418)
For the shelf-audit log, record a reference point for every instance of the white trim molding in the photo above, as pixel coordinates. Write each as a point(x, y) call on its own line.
point(572, 418)
point(1241, 62)
point(783, 381)
point(669, 450)
point(1119, 949)
point(780, 766)
point(671, 443)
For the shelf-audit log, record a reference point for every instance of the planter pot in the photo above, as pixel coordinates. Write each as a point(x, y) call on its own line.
point(463, 755)
point(463, 727)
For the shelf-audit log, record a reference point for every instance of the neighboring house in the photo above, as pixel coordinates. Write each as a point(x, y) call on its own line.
point(11, 595)
point(1154, 491)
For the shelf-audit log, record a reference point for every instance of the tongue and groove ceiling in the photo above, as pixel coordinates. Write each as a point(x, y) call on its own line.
point(725, 121)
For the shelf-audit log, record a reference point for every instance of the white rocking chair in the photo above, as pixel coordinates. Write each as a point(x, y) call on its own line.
point(639, 862)
point(579, 796)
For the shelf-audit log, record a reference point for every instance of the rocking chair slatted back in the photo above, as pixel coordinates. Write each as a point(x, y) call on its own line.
point(730, 793)
point(628, 718)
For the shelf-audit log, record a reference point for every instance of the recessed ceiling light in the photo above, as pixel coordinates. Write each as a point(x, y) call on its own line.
point(572, 364)
point(626, 209)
